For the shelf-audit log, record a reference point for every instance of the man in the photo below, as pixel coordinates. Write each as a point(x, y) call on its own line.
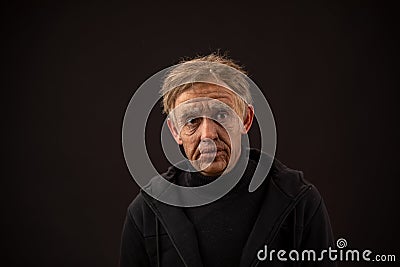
point(209, 112)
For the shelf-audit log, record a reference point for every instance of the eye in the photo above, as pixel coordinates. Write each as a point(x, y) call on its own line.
point(220, 116)
point(192, 121)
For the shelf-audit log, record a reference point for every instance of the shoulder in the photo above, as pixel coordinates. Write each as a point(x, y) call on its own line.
point(140, 210)
point(140, 213)
point(290, 185)
point(288, 181)
point(292, 182)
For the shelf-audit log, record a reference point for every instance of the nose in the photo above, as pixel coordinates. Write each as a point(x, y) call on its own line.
point(208, 129)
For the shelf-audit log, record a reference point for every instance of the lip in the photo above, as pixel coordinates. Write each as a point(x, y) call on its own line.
point(209, 151)
point(211, 154)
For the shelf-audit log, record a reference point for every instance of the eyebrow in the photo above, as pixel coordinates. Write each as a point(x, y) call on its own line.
point(187, 112)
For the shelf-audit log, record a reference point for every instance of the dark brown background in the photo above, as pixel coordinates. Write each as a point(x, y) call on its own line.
point(330, 73)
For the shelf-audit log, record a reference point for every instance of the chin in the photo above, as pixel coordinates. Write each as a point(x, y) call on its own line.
point(214, 169)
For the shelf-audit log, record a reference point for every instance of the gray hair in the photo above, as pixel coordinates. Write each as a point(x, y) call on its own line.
point(213, 69)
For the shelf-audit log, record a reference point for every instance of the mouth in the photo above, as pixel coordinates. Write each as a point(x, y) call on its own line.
point(210, 153)
point(206, 152)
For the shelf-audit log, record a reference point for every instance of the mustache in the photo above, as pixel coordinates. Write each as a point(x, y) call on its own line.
point(210, 147)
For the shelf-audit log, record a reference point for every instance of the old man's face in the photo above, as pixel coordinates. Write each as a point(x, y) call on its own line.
point(208, 123)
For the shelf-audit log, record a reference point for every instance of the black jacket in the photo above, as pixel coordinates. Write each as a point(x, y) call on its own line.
point(292, 216)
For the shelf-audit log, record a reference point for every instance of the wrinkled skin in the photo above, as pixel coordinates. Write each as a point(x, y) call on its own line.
point(206, 122)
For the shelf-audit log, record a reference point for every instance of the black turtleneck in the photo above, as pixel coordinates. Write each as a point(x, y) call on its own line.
point(223, 226)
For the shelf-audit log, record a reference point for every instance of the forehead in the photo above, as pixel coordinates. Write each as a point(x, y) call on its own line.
point(209, 91)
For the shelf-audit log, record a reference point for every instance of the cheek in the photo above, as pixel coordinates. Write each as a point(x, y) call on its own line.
point(227, 134)
point(233, 139)
point(189, 144)
point(234, 126)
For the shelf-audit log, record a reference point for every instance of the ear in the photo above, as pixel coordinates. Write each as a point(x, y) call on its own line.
point(248, 119)
point(174, 132)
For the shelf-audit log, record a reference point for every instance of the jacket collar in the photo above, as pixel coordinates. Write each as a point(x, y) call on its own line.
point(179, 229)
